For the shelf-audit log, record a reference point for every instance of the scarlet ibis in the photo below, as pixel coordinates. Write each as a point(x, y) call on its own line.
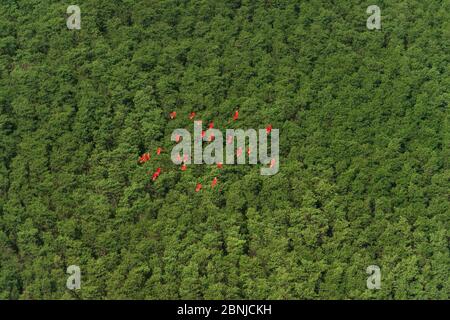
point(269, 128)
point(214, 182)
point(183, 167)
point(220, 165)
point(156, 174)
point(203, 133)
point(158, 151)
point(144, 158)
point(211, 125)
point(236, 115)
point(173, 115)
point(198, 187)
point(191, 115)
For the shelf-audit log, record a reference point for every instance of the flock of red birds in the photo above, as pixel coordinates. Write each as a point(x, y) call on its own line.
point(146, 156)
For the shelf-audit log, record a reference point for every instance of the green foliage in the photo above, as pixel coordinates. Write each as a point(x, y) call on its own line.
point(363, 119)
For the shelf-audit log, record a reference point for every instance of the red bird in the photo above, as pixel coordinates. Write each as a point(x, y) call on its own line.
point(219, 165)
point(203, 133)
point(269, 128)
point(191, 115)
point(144, 158)
point(236, 115)
point(214, 182)
point(211, 125)
point(211, 137)
point(198, 187)
point(158, 151)
point(173, 115)
point(248, 151)
point(183, 167)
point(156, 174)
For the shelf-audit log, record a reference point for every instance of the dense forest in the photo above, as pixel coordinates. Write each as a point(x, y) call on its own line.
point(364, 154)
